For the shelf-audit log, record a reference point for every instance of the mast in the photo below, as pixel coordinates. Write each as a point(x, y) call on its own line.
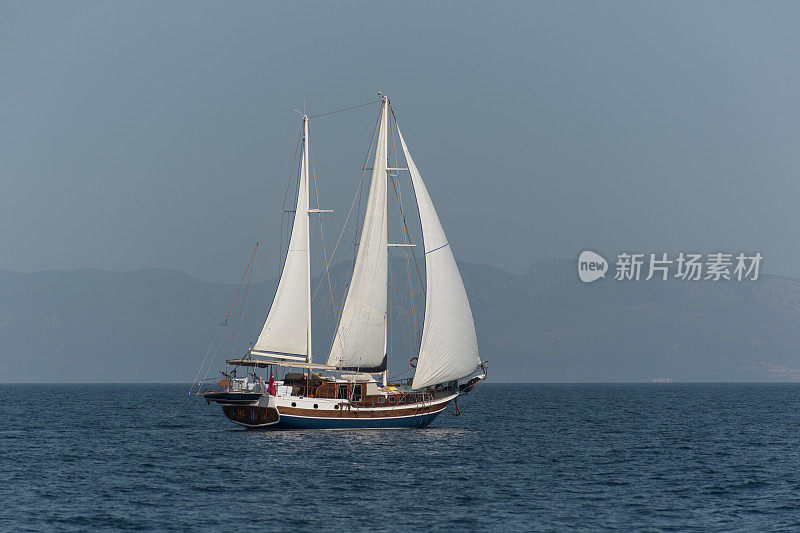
point(385, 100)
point(385, 373)
point(308, 242)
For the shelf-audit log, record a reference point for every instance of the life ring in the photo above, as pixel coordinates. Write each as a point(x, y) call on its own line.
point(413, 362)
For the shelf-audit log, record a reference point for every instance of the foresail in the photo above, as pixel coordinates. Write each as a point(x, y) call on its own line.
point(449, 347)
point(360, 340)
point(286, 328)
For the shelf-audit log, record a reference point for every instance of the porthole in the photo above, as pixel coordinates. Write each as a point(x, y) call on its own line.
point(315, 406)
point(294, 404)
point(336, 406)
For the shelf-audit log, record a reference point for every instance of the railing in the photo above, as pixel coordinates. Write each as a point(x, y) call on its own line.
point(232, 385)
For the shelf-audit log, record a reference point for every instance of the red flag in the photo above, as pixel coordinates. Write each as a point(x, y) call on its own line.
point(271, 388)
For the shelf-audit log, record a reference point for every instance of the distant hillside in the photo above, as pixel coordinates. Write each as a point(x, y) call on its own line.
point(544, 325)
point(547, 325)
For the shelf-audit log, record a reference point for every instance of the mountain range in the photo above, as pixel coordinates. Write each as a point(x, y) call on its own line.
point(543, 325)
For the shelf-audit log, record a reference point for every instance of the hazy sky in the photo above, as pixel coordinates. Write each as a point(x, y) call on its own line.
point(151, 134)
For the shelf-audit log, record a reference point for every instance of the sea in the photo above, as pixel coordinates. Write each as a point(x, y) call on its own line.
point(521, 457)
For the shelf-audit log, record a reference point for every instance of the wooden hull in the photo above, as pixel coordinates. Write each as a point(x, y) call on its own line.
point(286, 417)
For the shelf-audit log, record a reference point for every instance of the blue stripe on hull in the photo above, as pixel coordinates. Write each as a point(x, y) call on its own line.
point(302, 422)
point(299, 422)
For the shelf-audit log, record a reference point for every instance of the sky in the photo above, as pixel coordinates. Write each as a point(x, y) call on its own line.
point(153, 134)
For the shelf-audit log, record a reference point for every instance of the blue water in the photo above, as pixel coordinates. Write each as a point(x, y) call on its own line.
point(522, 457)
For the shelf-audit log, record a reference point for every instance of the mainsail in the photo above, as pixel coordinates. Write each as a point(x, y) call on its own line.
point(287, 329)
point(449, 347)
point(360, 340)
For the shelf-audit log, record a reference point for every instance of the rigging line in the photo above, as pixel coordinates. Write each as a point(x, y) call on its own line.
point(360, 184)
point(225, 322)
point(286, 171)
point(256, 325)
point(203, 364)
point(211, 360)
point(394, 288)
point(265, 231)
point(408, 233)
point(215, 344)
point(360, 193)
point(395, 291)
point(290, 224)
point(268, 223)
point(256, 264)
point(344, 109)
point(339, 309)
point(373, 139)
point(286, 166)
point(413, 253)
point(413, 322)
point(327, 313)
point(474, 391)
point(241, 312)
point(241, 282)
point(321, 228)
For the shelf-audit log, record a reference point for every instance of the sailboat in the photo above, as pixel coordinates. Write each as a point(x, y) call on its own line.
point(351, 389)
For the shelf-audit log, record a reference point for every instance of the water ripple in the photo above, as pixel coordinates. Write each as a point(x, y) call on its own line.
point(663, 457)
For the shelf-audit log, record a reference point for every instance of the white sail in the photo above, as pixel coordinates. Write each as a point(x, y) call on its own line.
point(287, 328)
point(449, 347)
point(360, 340)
